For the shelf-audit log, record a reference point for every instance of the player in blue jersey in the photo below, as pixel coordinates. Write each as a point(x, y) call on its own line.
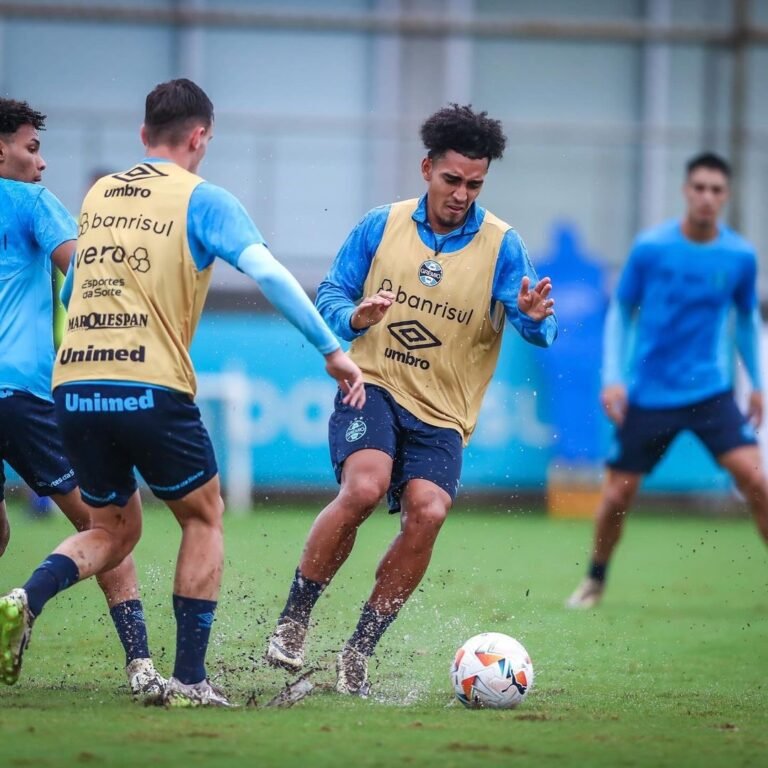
point(422, 288)
point(35, 230)
point(124, 382)
point(686, 301)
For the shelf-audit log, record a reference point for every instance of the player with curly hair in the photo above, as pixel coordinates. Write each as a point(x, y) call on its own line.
point(37, 230)
point(421, 289)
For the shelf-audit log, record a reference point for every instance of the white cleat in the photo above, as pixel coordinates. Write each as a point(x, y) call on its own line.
point(286, 645)
point(352, 673)
point(15, 631)
point(147, 684)
point(202, 694)
point(587, 595)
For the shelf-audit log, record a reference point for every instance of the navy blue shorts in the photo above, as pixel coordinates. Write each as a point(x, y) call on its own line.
point(646, 433)
point(31, 443)
point(419, 450)
point(110, 429)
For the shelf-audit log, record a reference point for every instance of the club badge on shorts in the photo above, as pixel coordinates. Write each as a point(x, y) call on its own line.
point(356, 430)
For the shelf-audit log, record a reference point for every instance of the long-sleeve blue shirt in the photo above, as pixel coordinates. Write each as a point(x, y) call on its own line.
point(680, 311)
point(338, 294)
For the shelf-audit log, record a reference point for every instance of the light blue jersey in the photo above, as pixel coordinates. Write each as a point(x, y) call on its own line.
point(686, 307)
point(33, 223)
point(343, 286)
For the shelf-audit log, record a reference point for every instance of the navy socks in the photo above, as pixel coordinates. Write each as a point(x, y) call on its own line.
point(194, 618)
point(131, 629)
point(53, 575)
point(370, 628)
point(302, 598)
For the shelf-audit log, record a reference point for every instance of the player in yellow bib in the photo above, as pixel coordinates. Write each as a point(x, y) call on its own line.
point(124, 381)
point(421, 288)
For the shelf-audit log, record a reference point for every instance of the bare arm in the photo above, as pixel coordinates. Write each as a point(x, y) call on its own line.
point(62, 255)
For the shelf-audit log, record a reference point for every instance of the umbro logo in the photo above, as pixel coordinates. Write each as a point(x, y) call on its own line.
point(413, 335)
point(139, 172)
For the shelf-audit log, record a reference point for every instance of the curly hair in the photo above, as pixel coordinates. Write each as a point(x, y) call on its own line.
point(472, 134)
point(14, 114)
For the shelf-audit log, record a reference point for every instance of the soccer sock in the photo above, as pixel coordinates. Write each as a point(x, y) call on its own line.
point(597, 571)
point(193, 628)
point(53, 575)
point(302, 598)
point(369, 630)
point(131, 629)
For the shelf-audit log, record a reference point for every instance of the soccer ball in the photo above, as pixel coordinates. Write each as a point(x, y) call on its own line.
point(491, 671)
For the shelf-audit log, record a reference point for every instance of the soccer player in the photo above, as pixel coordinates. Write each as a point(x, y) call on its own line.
point(35, 230)
point(421, 288)
point(687, 295)
point(124, 381)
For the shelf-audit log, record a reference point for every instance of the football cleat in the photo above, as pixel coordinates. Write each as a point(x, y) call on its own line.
point(147, 684)
point(587, 595)
point(15, 630)
point(352, 672)
point(202, 694)
point(286, 645)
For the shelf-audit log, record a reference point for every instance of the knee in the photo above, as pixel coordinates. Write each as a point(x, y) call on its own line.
point(752, 484)
point(617, 497)
point(425, 515)
point(363, 493)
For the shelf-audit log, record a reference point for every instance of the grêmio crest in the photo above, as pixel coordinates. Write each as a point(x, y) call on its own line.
point(430, 273)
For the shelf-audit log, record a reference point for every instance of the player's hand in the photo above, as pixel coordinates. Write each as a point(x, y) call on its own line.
point(371, 310)
point(614, 400)
point(755, 408)
point(348, 376)
point(535, 302)
point(5, 531)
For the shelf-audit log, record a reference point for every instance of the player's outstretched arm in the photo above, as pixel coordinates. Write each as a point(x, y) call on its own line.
point(284, 292)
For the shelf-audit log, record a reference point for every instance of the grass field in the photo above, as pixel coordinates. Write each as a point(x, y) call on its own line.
point(670, 671)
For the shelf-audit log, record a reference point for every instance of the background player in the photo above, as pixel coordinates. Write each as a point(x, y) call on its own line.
point(36, 229)
point(438, 275)
point(681, 285)
point(124, 381)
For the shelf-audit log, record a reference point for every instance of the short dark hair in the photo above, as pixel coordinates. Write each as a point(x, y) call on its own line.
point(472, 134)
point(14, 114)
point(708, 160)
point(172, 108)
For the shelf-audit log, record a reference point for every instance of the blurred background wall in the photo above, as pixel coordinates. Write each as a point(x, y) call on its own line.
point(318, 105)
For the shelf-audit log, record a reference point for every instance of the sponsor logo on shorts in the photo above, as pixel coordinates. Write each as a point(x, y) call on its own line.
point(430, 273)
point(59, 480)
point(436, 308)
point(102, 355)
point(74, 402)
point(356, 430)
point(107, 320)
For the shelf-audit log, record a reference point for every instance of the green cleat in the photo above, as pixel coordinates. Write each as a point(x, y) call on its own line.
point(15, 631)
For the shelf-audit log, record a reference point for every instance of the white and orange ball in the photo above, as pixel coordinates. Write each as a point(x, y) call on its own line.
point(492, 671)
